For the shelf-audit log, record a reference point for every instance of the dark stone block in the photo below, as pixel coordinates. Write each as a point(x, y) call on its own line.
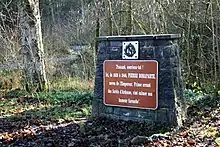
point(173, 50)
point(168, 93)
point(116, 43)
point(116, 56)
point(100, 73)
point(125, 118)
point(142, 43)
point(102, 108)
point(165, 79)
point(98, 91)
point(102, 51)
point(174, 72)
point(162, 42)
point(164, 104)
point(174, 62)
point(177, 49)
point(162, 116)
point(158, 52)
point(109, 110)
point(146, 114)
point(172, 117)
point(146, 52)
point(117, 110)
point(128, 112)
point(164, 64)
point(115, 117)
point(95, 109)
point(169, 98)
point(166, 52)
point(114, 47)
point(148, 43)
point(103, 115)
point(114, 50)
point(102, 58)
point(160, 93)
point(102, 44)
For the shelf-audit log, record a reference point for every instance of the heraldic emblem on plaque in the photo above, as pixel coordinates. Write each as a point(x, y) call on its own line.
point(130, 50)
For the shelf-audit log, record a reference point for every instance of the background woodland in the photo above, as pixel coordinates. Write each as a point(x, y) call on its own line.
point(70, 28)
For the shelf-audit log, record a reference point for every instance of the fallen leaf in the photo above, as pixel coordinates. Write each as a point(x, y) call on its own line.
point(217, 140)
point(184, 134)
point(190, 141)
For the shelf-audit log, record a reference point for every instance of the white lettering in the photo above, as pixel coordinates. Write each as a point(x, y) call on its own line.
point(125, 84)
point(147, 76)
point(124, 75)
point(120, 100)
point(115, 91)
point(120, 67)
point(111, 83)
point(136, 84)
point(147, 85)
point(133, 101)
point(143, 93)
point(132, 75)
point(135, 93)
point(150, 94)
point(125, 92)
point(115, 75)
point(132, 67)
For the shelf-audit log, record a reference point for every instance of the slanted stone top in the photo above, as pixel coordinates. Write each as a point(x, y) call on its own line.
point(140, 37)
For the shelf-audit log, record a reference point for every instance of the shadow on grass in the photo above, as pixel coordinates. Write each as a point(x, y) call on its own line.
point(56, 126)
point(14, 93)
point(99, 132)
point(48, 127)
point(203, 105)
point(208, 101)
point(39, 116)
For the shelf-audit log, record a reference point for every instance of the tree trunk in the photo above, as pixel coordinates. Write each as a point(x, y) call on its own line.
point(32, 46)
point(110, 22)
point(213, 42)
point(52, 11)
point(188, 37)
point(129, 18)
point(97, 31)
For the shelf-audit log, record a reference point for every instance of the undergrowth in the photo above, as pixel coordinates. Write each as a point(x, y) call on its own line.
point(68, 98)
point(200, 98)
point(46, 107)
point(72, 84)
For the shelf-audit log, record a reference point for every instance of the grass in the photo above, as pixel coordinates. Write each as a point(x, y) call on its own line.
point(69, 98)
point(48, 106)
point(69, 101)
point(72, 84)
point(200, 99)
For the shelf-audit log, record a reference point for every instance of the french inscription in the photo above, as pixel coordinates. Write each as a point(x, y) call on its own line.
point(131, 83)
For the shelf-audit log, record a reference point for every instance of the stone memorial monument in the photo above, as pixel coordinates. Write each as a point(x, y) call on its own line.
point(138, 78)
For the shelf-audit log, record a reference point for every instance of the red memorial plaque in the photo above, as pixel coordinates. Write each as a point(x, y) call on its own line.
point(131, 83)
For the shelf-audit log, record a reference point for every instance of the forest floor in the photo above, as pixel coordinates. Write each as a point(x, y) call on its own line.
point(27, 121)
